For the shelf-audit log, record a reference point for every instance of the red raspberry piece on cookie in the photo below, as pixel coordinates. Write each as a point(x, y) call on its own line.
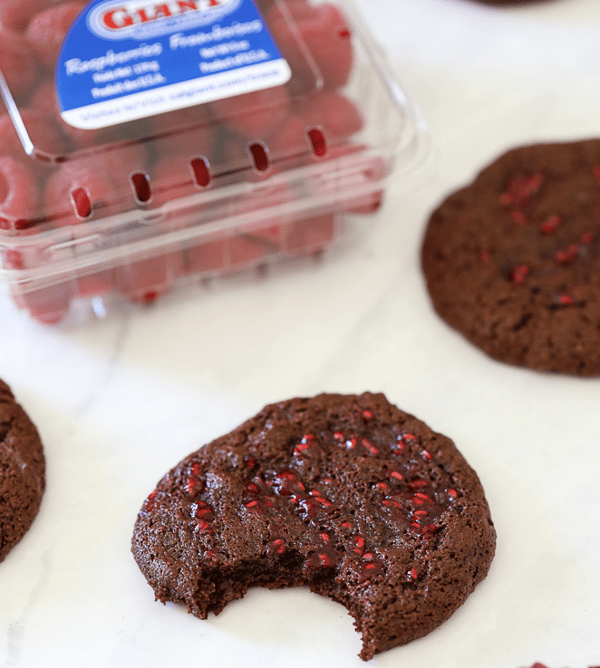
point(254, 114)
point(19, 194)
point(47, 29)
point(326, 34)
point(17, 63)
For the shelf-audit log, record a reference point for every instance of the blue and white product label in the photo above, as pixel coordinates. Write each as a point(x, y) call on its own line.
point(126, 60)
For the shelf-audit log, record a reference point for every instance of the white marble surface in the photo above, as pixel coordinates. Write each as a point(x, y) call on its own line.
point(120, 401)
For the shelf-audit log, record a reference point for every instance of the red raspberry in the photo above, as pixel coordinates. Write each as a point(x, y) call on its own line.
point(42, 131)
point(254, 114)
point(246, 248)
point(325, 33)
point(187, 133)
point(264, 5)
point(289, 138)
point(19, 195)
point(76, 191)
point(208, 257)
point(373, 170)
point(15, 14)
point(119, 163)
point(95, 283)
point(336, 114)
point(234, 155)
point(17, 63)
point(145, 280)
point(99, 182)
point(44, 4)
point(262, 239)
point(367, 204)
point(172, 178)
point(181, 119)
point(169, 179)
point(47, 29)
point(48, 305)
point(44, 100)
point(311, 235)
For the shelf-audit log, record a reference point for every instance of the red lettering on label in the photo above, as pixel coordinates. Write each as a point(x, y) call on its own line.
point(120, 17)
point(115, 19)
point(161, 10)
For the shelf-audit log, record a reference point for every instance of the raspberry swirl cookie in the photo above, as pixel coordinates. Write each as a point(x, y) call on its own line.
point(346, 494)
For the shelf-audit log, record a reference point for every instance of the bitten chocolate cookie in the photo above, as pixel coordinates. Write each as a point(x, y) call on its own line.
point(346, 494)
point(22, 471)
point(512, 261)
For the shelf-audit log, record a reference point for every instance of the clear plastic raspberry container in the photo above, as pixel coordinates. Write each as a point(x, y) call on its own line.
point(135, 208)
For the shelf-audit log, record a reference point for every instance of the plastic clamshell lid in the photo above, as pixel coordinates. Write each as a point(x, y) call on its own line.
point(317, 131)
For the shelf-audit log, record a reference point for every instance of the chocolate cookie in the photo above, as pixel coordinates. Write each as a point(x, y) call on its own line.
point(346, 494)
point(22, 471)
point(541, 665)
point(512, 261)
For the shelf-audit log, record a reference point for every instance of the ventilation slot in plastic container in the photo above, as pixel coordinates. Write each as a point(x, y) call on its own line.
point(200, 171)
point(259, 155)
point(317, 142)
point(140, 184)
point(81, 202)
